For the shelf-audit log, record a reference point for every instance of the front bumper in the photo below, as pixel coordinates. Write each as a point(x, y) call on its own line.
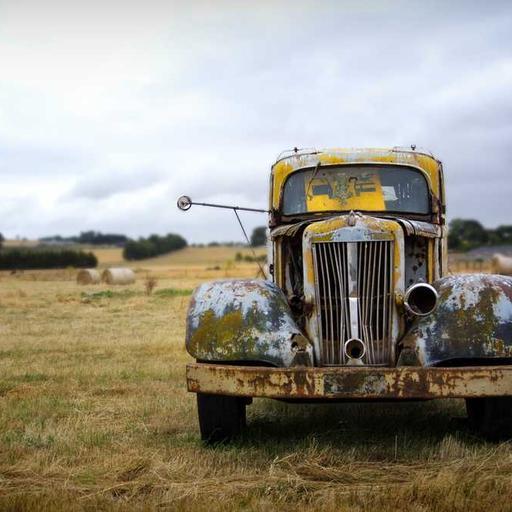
point(350, 383)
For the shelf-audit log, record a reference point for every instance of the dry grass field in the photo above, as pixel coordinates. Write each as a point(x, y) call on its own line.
point(189, 257)
point(94, 415)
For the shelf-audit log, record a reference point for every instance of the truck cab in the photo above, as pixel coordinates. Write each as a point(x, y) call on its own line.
point(358, 303)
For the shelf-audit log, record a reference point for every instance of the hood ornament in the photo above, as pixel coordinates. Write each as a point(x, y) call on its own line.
point(351, 221)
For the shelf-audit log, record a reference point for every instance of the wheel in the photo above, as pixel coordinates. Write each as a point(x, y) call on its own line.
point(491, 416)
point(221, 418)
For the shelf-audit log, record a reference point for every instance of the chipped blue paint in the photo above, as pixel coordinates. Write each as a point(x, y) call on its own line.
point(243, 320)
point(472, 321)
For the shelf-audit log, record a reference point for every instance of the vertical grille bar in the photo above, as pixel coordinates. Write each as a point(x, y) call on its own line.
point(368, 300)
point(380, 288)
point(340, 291)
point(365, 292)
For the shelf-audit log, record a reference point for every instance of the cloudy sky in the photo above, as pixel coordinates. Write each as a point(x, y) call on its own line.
point(110, 110)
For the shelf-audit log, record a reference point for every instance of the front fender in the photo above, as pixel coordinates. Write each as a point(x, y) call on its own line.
point(471, 325)
point(244, 320)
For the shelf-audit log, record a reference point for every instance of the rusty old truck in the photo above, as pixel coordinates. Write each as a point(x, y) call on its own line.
point(358, 302)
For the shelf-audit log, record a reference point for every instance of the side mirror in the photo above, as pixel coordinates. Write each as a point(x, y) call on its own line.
point(184, 203)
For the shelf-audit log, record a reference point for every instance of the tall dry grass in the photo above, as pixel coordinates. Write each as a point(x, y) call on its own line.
point(94, 415)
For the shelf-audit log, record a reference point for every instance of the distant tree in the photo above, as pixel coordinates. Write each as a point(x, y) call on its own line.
point(154, 245)
point(2, 239)
point(98, 238)
point(466, 234)
point(259, 236)
point(502, 234)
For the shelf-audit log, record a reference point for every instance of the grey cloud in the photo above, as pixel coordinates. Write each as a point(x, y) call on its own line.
point(29, 160)
point(110, 183)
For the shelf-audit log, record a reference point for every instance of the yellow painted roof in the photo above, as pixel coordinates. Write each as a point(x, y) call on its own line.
point(292, 161)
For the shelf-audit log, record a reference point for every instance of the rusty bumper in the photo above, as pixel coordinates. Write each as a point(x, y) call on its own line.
point(362, 383)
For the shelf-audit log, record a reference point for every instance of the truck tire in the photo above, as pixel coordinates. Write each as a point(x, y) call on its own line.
point(221, 418)
point(491, 417)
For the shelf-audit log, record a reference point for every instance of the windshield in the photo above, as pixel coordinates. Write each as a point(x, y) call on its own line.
point(359, 187)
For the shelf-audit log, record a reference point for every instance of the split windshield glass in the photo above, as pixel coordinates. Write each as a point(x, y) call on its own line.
point(358, 187)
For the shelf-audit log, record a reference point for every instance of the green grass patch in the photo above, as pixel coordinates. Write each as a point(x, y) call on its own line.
point(34, 377)
point(172, 292)
point(108, 294)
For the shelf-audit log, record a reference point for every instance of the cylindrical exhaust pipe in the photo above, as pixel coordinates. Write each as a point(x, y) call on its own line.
point(421, 299)
point(355, 349)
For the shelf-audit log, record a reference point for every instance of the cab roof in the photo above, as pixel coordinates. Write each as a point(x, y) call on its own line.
point(291, 161)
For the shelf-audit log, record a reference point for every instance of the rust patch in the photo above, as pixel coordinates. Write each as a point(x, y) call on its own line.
point(473, 320)
point(368, 383)
point(243, 321)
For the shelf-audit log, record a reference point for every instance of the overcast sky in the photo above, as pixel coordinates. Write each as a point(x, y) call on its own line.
point(110, 110)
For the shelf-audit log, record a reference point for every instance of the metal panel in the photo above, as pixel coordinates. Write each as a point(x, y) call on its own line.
point(354, 289)
point(243, 320)
point(349, 383)
point(473, 321)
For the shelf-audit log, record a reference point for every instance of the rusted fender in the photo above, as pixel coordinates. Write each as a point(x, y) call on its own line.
point(472, 321)
point(244, 321)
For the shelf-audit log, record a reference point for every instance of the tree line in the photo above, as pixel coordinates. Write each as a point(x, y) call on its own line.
point(37, 258)
point(21, 258)
point(152, 246)
point(89, 238)
point(467, 234)
point(32, 258)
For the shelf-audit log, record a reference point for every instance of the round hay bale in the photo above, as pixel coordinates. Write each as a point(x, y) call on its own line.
point(118, 276)
point(88, 276)
point(502, 264)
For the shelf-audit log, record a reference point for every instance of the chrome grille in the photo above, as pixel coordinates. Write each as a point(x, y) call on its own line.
point(354, 288)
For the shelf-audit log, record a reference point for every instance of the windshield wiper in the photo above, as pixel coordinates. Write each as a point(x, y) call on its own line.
point(315, 172)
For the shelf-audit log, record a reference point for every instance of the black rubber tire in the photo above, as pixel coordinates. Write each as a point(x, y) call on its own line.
point(221, 418)
point(491, 417)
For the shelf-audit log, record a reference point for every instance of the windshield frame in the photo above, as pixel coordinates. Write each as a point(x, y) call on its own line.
point(416, 215)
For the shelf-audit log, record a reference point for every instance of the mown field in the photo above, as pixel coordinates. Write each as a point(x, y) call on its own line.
point(94, 415)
